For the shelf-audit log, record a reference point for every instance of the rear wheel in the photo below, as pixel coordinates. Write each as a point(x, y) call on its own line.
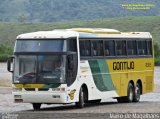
point(80, 104)
point(130, 95)
point(137, 93)
point(36, 106)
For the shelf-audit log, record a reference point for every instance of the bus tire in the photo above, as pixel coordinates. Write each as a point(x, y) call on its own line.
point(81, 102)
point(137, 93)
point(130, 93)
point(36, 106)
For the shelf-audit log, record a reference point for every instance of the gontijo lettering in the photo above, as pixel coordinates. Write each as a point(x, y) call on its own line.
point(123, 65)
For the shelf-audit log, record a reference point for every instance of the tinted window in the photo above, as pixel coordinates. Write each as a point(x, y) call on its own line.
point(131, 48)
point(72, 45)
point(85, 48)
point(142, 47)
point(94, 48)
point(149, 47)
point(121, 48)
point(97, 48)
point(109, 48)
point(82, 48)
point(40, 46)
point(100, 48)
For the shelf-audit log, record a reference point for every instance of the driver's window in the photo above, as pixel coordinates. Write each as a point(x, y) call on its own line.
point(71, 68)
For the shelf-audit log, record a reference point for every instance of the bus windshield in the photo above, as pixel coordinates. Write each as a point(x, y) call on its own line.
point(32, 46)
point(31, 69)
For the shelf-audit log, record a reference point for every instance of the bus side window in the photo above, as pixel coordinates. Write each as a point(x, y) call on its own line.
point(94, 48)
point(149, 47)
point(109, 48)
point(142, 47)
point(72, 45)
point(100, 48)
point(87, 48)
point(131, 47)
point(82, 48)
point(97, 48)
point(121, 48)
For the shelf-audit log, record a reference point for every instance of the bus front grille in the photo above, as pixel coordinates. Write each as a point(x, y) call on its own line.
point(39, 89)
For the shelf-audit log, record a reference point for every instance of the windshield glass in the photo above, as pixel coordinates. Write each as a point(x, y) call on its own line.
point(24, 45)
point(39, 69)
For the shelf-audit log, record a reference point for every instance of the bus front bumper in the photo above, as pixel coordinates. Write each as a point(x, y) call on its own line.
point(40, 97)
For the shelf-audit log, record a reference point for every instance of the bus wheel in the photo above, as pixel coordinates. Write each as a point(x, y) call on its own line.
point(80, 104)
point(137, 93)
point(130, 93)
point(36, 106)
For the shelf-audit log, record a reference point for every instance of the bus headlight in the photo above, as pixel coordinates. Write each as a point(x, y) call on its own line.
point(58, 89)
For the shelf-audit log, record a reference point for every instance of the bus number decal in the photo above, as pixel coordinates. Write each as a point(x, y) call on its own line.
point(148, 64)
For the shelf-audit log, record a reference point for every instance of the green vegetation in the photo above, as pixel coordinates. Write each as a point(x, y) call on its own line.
point(9, 31)
point(157, 54)
point(69, 10)
point(5, 52)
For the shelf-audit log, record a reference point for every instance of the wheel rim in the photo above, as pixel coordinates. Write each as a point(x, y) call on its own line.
point(131, 94)
point(82, 98)
point(137, 93)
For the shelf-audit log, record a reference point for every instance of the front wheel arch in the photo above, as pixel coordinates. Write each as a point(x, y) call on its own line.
point(85, 89)
point(83, 96)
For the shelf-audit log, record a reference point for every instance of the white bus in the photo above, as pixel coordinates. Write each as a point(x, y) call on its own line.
point(81, 65)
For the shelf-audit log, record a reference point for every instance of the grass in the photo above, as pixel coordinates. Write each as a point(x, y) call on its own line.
point(157, 61)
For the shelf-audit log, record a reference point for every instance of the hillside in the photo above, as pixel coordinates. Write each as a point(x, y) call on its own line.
point(71, 10)
point(9, 31)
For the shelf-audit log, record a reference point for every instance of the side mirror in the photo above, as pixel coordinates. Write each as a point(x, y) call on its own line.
point(10, 64)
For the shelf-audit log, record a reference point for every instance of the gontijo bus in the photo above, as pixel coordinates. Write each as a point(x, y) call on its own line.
point(81, 65)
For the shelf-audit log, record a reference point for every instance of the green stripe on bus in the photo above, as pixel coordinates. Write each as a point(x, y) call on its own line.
point(101, 76)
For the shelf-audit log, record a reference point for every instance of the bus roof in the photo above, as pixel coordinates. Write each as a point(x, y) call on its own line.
point(84, 33)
